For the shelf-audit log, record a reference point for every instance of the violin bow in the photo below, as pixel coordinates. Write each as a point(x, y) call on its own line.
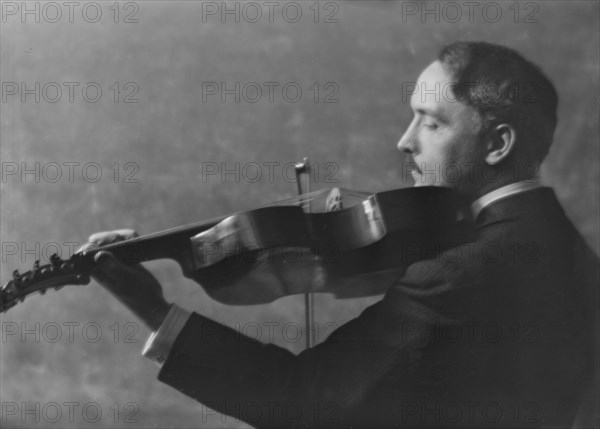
point(303, 167)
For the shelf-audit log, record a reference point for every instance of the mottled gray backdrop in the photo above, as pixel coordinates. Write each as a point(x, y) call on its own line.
point(127, 131)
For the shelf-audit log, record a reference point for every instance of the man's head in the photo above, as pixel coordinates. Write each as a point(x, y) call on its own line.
point(484, 117)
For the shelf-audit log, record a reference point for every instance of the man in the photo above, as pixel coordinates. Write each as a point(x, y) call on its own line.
point(496, 332)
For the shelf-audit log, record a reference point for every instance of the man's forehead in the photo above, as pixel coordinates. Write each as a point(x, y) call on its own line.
point(434, 72)
point(433, 92)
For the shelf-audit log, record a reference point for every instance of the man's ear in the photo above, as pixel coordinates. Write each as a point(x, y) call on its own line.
point(500, 143)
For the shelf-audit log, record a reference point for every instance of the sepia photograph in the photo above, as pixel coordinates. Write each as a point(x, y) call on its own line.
point(300, 213)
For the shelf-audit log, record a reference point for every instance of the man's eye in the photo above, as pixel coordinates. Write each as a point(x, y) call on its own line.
point(431, 126)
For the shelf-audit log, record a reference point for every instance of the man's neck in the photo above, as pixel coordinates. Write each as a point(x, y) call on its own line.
point(490, 186)
point(498, 176)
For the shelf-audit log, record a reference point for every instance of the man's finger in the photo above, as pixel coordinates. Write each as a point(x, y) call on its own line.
point(105, 261)
point(86, 247)
point(108, 237)
point(110, 272)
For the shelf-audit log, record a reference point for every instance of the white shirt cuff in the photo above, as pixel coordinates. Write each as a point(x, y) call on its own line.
point(160, 342)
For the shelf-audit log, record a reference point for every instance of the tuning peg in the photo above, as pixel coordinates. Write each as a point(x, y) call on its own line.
point(55, 261)
point(17, 279)
point(36, 269)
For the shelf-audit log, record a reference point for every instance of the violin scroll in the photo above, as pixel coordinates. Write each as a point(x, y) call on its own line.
point(57, 274)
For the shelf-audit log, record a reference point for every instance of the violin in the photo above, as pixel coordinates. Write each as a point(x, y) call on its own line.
point(258, 256)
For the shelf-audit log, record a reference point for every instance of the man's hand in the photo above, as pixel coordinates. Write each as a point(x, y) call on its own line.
point(133, 285)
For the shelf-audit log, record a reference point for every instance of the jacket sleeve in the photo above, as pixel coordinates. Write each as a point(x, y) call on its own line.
point(266, 385)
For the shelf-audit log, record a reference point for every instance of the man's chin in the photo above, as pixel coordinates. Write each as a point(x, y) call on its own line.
point(419, 182)
point(418, 179)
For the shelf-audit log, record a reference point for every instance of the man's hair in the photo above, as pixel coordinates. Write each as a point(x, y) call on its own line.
point(504, 87)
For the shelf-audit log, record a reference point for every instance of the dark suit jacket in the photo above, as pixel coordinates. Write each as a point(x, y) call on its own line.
point(496, 332)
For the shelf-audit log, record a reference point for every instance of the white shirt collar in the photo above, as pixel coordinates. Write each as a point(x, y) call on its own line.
point(506, 191)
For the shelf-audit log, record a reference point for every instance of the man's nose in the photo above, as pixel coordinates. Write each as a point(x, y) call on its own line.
point(406, 143)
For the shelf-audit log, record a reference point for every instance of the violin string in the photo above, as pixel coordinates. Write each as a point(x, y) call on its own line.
point(288, 201)
point(299, 198)
point(293, 201)
point(311, 196)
